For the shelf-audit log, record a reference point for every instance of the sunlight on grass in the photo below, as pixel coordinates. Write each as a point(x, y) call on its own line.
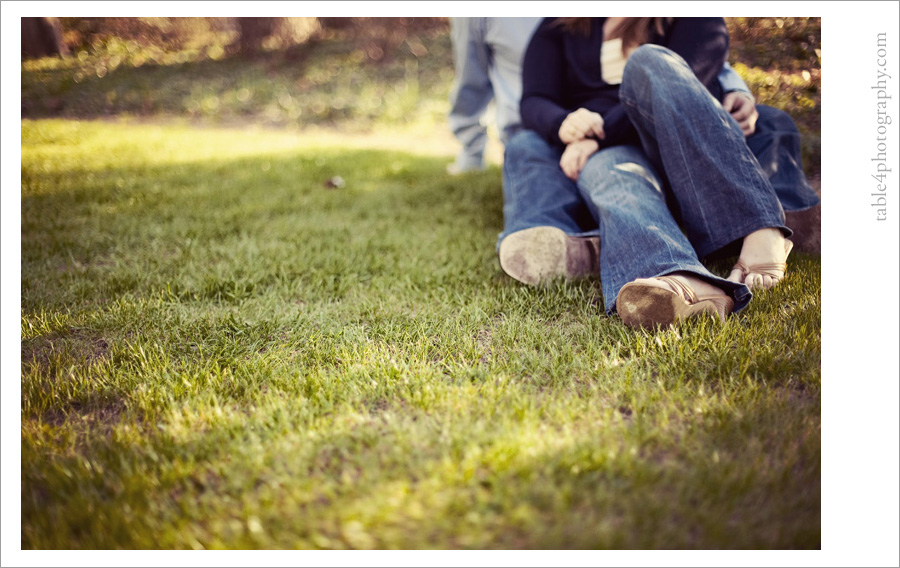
point(219, 350)
point(49, 144)
point(366, 79)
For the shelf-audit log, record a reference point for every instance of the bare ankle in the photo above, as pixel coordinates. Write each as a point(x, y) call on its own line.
point(763, 245)
point(762, 241)
point(763, 257)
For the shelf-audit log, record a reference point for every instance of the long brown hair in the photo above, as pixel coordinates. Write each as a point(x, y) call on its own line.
point(633, 31)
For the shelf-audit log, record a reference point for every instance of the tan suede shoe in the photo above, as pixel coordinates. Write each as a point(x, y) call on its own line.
point(540, 254)
point(653, 302)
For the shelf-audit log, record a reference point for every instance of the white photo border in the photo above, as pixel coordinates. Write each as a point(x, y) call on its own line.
point(860, 294)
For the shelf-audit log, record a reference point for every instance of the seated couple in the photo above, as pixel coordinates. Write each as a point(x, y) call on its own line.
point(629, 167)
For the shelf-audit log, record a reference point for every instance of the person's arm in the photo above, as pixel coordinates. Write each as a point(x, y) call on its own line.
point(731, 81)
point(738, 100)
point(471, 92)
point(543, 85)
point(703, 43)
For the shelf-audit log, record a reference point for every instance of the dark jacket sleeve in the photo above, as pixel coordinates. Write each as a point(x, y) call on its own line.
point(703, 43)
point(543, 83)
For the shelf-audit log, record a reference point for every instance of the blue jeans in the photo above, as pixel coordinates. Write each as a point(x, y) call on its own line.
point(713, 191)
point(776, 145)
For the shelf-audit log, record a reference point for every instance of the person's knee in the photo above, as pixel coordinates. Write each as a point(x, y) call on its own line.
point(651, 58)
point(647, 65)
point(650, 54)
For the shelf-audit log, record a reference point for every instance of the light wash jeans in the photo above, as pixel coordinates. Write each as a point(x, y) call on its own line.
point(487, 59)
point(713, 193)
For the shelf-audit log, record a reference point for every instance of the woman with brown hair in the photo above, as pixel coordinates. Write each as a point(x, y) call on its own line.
point(627, 140)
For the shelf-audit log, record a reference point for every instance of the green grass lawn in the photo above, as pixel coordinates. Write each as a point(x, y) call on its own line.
point(220, 351)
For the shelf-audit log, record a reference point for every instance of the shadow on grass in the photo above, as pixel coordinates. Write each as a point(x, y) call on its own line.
point(727, 480)
point(95, 90)
point(323, 82)
point(189, 227)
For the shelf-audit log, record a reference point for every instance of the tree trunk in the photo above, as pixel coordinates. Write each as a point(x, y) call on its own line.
point(41, 37)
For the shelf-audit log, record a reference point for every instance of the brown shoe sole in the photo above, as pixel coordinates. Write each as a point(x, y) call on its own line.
point(642, 305)
point(540, 254)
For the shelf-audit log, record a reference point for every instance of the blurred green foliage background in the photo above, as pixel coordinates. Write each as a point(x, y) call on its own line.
point(348, 73)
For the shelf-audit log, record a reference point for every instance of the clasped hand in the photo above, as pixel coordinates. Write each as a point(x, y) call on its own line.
point(576, 132)
point(578, 127)
point(576, 155)
point(581, 124)
point(742, 108)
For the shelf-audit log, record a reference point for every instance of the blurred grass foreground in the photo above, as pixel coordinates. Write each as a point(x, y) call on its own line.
point(225, 347)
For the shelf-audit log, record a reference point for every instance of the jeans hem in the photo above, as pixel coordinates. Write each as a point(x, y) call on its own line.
point(737, 292)
point(737, 234)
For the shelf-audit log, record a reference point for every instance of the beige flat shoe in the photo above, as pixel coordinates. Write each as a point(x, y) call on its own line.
point(774, 270)
point(652, 302)
point(540, 254)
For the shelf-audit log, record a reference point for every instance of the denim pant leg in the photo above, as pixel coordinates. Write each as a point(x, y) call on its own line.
point(720, 194)
point(537, 193)
point(640, 237)
point(776, 145)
